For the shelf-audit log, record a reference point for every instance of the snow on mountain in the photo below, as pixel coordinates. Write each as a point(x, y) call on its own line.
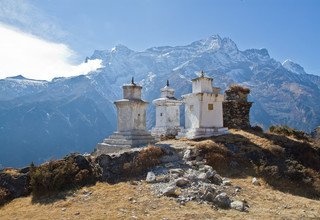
point(293, 67)
point(81, 111)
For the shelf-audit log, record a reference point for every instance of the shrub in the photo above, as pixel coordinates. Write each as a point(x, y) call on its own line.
point(146, 158)
point(257, 128)
point(287, 131)
point(4, 195)
point(54, 176)
point(238, 88)
point(216, 155)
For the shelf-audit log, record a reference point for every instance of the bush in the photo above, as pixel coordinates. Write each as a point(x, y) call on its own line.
point(216, 155)
point(287, 131)
point(257, 128)
point(146, 158)
point(4, 195)
point(54, 176)
point(238, 88)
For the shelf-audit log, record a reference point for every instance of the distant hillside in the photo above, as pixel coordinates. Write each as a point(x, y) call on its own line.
point(40, 120)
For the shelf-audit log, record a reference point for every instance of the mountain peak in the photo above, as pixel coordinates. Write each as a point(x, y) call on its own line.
point(17, 77)
point(293, 67)
point(215, 42)
point(121, 48)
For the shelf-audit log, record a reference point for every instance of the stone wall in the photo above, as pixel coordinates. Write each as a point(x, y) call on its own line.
point(236, 108)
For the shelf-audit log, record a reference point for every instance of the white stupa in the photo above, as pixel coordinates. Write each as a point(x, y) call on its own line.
point(167, 114)
point(131, 129)
point(203, 110)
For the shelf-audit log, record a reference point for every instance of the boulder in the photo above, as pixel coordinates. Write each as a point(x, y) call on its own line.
point(182, 182)
point(239, 205)
point(15, 185)
point(151, 177)
point(216, 179)
point(255, 181)
point(170, 191)
point(187, 155)
point(222, 200)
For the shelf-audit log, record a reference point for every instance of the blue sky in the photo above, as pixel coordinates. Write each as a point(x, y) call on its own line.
point(289, 29)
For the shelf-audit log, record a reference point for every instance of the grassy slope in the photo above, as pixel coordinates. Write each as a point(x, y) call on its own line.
point(113, 201)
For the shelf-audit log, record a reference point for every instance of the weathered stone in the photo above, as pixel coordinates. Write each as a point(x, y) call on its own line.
point(177, 171)
point(202, 176)
point(236, 109)
point(182, 182)
point(151, 177)
point(113, 166)
point(238, 205)
point(255, 181)
point(17, 186)
point(222, 200)
point(226, 182)
point(170, 191)
point(216, 179)
point(208, 197)
point(187, 155)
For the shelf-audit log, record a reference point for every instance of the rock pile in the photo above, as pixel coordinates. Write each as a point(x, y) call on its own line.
point(236, 108)
point(190, 179)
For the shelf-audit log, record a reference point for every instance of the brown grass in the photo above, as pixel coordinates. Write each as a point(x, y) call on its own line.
point(146, 158)
point(11, 171)
point(136, 201)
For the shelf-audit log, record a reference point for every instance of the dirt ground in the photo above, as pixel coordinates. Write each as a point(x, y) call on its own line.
point(135, 200)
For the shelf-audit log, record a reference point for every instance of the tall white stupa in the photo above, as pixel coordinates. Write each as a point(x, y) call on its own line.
point(203, 110)
point(131, 127)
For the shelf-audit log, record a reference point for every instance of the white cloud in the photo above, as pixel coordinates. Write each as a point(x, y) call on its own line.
point(35, 58)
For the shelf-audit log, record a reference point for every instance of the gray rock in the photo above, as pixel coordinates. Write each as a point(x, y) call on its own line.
point(216, 179)
point(209, 196)
point(238, 205)
point(187, 155)
point(202, 176)
point(222, 200)
point(176, 170)
point(151, 177)
point(206, 168)
point(169, 158)
point(170, 191)
point(182, 182)
point(255, 181)
point(226, 182)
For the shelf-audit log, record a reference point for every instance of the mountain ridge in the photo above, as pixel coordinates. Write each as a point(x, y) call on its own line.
point(280, 96)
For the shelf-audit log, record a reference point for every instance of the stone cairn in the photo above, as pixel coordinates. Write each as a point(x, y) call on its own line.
point(236, 107)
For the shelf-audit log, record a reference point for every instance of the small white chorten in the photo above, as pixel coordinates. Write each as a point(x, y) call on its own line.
point(167, 114)
point(203, 110)
point(131, 129)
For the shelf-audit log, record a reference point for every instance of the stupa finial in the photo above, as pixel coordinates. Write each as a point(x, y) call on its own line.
point(168, 83)
point(202, 73)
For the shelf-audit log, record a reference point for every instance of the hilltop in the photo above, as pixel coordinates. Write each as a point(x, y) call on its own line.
point(286, 168)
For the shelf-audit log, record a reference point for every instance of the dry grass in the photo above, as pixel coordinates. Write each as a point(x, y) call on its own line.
point(11, 171)
point(136, 201)
point(146, 158)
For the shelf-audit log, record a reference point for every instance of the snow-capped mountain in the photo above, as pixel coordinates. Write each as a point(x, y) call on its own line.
point(41, 119)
